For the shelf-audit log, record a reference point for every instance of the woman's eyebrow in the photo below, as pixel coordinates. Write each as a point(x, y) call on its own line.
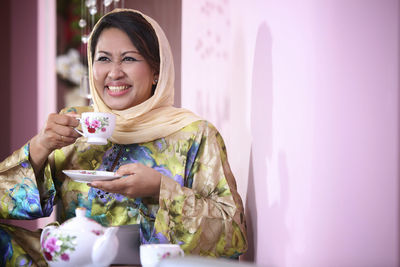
point(133, 51)
point(105, 52)
point(124, 53)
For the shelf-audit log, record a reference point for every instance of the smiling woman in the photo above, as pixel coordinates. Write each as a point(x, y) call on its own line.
point(176, 183)
point(125, 64)
point(122, 76)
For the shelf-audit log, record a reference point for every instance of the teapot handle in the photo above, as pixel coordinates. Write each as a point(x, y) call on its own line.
point(46, 231)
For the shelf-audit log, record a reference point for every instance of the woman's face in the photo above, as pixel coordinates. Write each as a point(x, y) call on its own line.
point(122, 76)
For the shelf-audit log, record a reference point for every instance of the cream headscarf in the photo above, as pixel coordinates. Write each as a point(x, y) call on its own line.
point(156, 117)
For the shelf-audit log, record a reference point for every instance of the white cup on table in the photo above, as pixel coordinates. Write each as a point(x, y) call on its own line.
point(152, 254)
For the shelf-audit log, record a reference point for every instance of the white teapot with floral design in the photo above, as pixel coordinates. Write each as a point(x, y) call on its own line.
point(79, 241)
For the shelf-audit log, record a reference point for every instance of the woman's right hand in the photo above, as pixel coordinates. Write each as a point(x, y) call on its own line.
point(56, 133)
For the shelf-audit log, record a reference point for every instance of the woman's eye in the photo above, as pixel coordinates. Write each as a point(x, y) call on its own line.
point(103, 59)
point(129, 59)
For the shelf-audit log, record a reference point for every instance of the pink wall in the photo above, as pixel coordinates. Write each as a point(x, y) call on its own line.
point(5, 29)
point(23, 86)
point(46, 72)
point(359, 126)
point(20, 90)
point(306, 98)
point(46, 62)
point(28, 94)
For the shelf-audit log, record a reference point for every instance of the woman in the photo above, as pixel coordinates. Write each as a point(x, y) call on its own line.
point(177, 182)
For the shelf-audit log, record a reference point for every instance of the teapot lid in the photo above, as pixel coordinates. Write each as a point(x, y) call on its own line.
point(82, 223)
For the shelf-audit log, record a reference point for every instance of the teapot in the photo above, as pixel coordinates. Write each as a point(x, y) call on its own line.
point(79, 241)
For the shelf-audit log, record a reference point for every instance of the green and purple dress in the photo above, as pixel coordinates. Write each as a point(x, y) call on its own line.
point(198, 205)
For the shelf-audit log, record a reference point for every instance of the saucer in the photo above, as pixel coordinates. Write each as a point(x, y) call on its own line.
point(87, 176)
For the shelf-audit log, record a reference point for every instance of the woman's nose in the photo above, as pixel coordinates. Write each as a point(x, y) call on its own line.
point(116, 71)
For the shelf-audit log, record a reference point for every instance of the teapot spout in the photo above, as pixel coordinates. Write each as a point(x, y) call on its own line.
point(105, 248)
point(111, 231)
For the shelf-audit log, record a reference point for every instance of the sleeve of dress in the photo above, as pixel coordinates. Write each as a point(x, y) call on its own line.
point(24, 196)
point(206, 215)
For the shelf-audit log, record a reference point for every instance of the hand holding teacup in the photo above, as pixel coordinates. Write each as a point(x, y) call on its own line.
point(59, 131)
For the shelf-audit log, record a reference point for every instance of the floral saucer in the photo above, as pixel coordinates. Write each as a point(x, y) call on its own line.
point(87, 176)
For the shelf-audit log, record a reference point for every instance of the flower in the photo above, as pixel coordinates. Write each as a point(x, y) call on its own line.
point(69, 66)
point(76, 72)
point(48, 256)
point(65, 257)
point(62, 66)
point(97, 232)
point(103, 129)
point(91, 130)
point(166, 255)
point(96, 124)
point(51, 245)
point(56, 248)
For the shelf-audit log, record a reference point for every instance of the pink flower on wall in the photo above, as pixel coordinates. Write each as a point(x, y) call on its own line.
point(213, 39)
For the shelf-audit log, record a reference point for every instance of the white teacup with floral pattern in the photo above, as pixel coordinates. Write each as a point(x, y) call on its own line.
point(152, 254)
point(97, 127)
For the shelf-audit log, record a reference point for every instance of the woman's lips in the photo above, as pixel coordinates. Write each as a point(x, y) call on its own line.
point(117, 90)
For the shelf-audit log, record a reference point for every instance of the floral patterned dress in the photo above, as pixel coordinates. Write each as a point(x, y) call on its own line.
point(198, 205)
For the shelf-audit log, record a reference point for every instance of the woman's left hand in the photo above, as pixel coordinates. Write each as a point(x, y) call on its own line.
point(140, 181)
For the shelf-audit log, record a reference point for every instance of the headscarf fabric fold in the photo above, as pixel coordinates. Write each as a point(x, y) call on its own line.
point(154, 118)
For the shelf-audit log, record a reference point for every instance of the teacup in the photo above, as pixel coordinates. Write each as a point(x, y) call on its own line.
point(152, 254)
point(97, 127)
